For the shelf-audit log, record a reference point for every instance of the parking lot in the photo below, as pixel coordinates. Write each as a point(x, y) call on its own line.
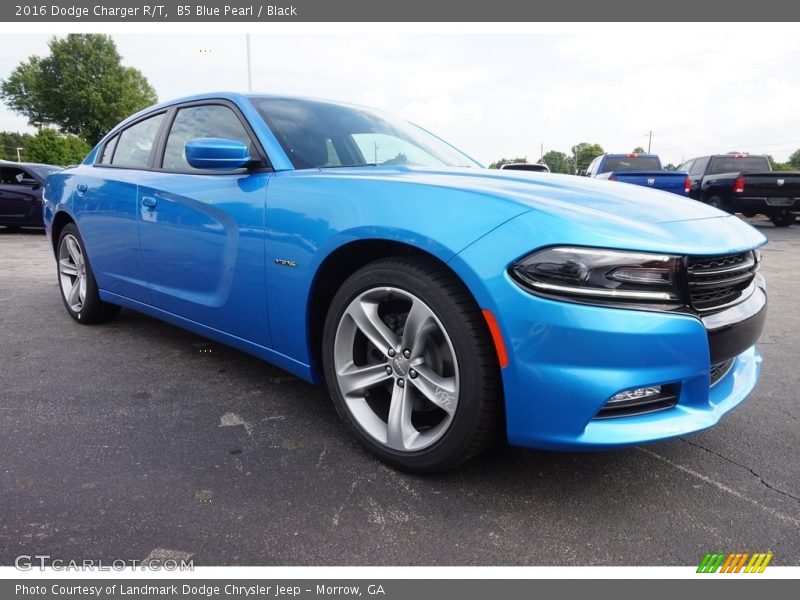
point(123, 439)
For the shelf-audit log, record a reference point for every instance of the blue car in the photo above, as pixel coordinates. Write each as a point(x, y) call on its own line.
point(441, 303)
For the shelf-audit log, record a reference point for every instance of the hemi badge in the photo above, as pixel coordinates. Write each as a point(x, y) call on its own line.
point(285, 263)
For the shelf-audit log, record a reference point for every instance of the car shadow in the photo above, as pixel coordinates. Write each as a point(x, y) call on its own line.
point(30, 231)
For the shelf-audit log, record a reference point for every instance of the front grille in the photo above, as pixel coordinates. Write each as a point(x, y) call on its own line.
point(719, 281)
point(666, 398)
point(719, 370)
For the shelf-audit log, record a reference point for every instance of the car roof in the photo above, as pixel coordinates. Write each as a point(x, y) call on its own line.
point(13, 163)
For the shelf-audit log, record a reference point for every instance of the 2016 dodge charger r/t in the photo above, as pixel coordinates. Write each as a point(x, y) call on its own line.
point(439, 301)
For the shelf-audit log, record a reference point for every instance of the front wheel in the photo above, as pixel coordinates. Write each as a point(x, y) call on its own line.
point(411, 366)
point(782, 219)
point(76, 281)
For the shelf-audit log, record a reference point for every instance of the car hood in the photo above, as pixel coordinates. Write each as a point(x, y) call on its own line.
point(582, 197)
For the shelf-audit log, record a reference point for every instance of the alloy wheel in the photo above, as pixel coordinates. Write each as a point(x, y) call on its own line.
point(72, 272)
point(396, 369)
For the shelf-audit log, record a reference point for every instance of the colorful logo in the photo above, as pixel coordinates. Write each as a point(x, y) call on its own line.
point(744, 562)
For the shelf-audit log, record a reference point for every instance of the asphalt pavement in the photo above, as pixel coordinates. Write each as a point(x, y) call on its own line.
point(135, 437)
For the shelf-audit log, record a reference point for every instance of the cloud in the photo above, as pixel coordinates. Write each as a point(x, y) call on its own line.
point(499, 95)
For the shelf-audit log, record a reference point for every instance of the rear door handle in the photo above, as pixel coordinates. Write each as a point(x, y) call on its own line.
point(149, 203)
point(81, 187)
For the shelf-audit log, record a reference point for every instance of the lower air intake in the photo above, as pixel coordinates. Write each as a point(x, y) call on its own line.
point(640, 401)
point(719, 370)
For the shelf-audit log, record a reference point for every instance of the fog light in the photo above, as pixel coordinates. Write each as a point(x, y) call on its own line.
point(635, 394)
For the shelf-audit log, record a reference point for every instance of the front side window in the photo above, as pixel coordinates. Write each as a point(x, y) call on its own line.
point(136, 142)
point(13, 176)
point(323, 135)
point(699, 166)
point(206, 121)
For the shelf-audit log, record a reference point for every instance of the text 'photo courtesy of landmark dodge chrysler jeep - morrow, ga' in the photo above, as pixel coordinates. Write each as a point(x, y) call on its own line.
point(441, 303)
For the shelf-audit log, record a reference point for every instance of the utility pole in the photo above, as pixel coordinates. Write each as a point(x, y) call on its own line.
point(649, 141)
point(18, 156)
point(541, 152)
point(249, 71)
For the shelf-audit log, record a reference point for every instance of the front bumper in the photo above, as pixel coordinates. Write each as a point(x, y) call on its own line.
point(567, 360)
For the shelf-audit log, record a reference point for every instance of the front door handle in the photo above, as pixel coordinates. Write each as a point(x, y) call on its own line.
point(149, 203)
point(81, 187)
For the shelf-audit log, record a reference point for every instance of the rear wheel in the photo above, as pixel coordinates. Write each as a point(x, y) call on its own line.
point(410, 365)
point(76, 281)
point(782, 219)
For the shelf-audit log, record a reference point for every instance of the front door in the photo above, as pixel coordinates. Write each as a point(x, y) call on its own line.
point(202, 233)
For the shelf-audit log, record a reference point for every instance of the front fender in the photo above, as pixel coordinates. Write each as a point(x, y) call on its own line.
point(311, 214)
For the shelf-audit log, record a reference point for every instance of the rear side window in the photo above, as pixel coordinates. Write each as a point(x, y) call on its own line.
point(207, 121)
point(108, 151)
point(136, 142)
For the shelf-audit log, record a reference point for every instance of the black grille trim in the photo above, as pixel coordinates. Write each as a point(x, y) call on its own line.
point(719, 370)
point(716, 282)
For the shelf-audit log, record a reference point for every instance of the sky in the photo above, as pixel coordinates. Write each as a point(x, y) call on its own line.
point(699, 88)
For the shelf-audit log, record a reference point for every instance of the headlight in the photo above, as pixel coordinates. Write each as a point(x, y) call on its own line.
point(594, 273)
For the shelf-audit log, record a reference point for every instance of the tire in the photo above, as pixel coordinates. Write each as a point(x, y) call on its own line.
point(782, 219)
point(719, 204)
point(76, 280)
point(404, 343)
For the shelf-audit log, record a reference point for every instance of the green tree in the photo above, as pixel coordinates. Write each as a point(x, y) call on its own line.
point(583, 154)
point(81, 87)
point(10, 141)
point(49, 146)
point(507, 161)
point(558, 162)
point(794, 160)
point(638, 150)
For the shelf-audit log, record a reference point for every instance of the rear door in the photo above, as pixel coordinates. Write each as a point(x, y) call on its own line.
point(202, 233)
point(106, 208)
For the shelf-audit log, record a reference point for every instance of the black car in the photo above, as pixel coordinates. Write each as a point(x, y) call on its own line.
point(21, 186)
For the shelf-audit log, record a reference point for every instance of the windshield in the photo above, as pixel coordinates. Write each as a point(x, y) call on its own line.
point(322, 135)
point(733, 164)
point(631, 163)
point(42, 171)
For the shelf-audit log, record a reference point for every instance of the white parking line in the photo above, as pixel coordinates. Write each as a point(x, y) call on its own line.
point(721, 486)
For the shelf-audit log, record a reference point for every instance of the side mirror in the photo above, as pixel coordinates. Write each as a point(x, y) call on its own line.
point(217, 154)
point(584, 173)
point(30, 182)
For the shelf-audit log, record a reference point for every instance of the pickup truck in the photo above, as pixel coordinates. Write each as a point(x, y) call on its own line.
point(639, 169)
point(745, 184)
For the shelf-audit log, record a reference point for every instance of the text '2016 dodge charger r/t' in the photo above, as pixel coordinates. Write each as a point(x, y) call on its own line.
point(441, 302)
